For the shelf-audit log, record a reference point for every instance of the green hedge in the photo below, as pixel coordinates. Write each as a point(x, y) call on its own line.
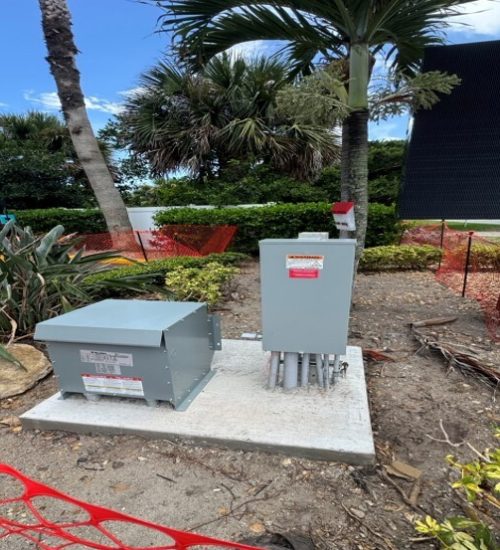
point(283, 221)
point(155, 271)
point(485, 256)
point(74, 221)
point(278, 221)
point(385, 258)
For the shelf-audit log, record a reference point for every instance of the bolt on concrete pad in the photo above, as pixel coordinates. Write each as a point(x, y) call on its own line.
point(236, 410)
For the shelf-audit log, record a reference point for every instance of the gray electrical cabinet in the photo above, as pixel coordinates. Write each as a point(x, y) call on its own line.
point(152, 350)
point(306, 293)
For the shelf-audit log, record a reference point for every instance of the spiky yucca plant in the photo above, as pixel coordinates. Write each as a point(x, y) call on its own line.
point(44, 276)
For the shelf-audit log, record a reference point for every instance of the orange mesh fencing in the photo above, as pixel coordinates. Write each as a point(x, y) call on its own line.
point(476, 276)
point(51, 520)
point(167, 242)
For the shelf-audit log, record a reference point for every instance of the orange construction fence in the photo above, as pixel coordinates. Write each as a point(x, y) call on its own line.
point(165, 242)
point(35, 513)
point(470, 266)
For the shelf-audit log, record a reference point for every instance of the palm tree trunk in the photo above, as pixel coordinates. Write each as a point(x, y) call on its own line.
point(354, 173)
point(62, 51)
point(354, 161)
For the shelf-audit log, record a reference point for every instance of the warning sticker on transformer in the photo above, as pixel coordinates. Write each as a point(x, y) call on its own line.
point(107, 358)
point(116, 385)
point(303, 261)
point(303, 273)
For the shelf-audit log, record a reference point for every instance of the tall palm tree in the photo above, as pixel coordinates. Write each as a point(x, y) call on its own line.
point(226, 111)
point(351, 32)
point(56, 23)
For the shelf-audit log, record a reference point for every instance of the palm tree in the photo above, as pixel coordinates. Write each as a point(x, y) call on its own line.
point(348, 32)
point(56, 23)
point(34, 125)
point(38, 164)
point(226, 111)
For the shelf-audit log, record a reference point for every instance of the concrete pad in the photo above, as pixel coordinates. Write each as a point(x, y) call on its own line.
point(236, 410)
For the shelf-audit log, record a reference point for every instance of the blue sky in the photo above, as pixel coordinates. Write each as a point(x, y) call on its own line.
point(117, 41)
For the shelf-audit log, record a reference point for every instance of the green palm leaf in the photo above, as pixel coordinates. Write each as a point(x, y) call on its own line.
point(228, 110)
point(7, 356)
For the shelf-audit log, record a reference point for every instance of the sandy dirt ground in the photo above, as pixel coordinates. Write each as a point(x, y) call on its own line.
point(236, 495)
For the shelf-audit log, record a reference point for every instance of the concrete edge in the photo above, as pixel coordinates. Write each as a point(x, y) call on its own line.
point(358, 458)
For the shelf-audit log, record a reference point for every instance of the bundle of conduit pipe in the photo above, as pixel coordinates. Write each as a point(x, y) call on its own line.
point(293, 369)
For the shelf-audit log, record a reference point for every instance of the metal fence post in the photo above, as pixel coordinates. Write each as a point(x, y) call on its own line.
point(142, 246)
point(467, 262)
point(441, 242)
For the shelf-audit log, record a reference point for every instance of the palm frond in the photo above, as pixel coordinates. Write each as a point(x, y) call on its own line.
point(226, 111)
point(204, 28)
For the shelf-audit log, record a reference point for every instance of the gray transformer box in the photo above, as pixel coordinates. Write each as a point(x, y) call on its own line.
point(152, 350)
point(306, 294)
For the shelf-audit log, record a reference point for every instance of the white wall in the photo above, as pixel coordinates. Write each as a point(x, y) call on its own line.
point(141, 218)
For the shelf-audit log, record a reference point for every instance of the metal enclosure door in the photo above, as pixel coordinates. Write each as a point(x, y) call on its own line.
point(308, 313)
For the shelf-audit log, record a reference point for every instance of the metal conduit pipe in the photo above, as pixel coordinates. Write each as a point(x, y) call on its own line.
point(326, 371)
point(304, 374)
point(319, 369)
point(273, 372)
point(291, 368)
point(336, 368)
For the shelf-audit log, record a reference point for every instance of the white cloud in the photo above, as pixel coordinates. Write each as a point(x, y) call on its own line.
point(98, 104)
point(50, 101)
point(480, 17)
point(249, 50)
point(132, 92)
point(3, 104)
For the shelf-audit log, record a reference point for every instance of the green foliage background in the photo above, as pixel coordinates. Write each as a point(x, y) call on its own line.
point(283, 221)
point(38, 165)
point(247, 183)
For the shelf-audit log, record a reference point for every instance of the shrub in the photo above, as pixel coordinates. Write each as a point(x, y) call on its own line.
point(382, 189)
point(204, 284)
point(154, 272)
point(42, 277)
point(381, 258)
point(283, 221)
point(479, 483)
point(74, 221)
point(485, 256)
point(258, 187)
point(245, 182)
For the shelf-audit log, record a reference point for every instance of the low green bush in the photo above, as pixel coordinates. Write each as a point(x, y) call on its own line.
point(283, 221)
point(74, 221)
point(478, 489)
point(485, 256)
point(194, 284)
point(382, 258)
point(155, 272)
